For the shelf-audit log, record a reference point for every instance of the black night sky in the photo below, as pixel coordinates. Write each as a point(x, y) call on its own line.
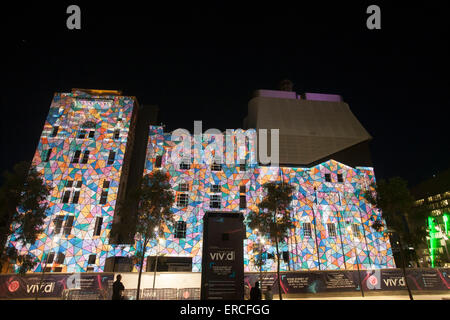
point(204, 63)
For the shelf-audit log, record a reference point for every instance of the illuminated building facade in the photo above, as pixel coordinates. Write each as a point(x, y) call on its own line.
point(85, 154)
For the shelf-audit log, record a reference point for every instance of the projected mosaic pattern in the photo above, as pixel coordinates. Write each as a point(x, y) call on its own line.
point(85, 184)
point(337, 203)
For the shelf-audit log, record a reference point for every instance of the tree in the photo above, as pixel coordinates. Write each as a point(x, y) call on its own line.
point(22, 212)
point(154, 211)
point(394, 200)
point(273, 217)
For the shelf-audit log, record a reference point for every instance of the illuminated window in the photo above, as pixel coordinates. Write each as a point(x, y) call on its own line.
point(339, 178)
point(180, 230)
point(50, 257)
point(242, 167)
point(182, 200)
point(242, 189)
point(104, 197)
point(307, 229)
point(327, 177)
point(91, 134)
point(331, 229)
point(66, 196)
point(76, 197)
point(82, 134)
point(58, 221)
point(215, 201)
point(116, 134)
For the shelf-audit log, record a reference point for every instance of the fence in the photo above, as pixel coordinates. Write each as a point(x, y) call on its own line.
point(130, 294)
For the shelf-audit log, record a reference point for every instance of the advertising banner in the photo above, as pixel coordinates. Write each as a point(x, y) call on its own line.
point(222, 258)
point(14, 286)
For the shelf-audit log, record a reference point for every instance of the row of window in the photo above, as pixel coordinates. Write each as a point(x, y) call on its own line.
point(67, 228)
point(215, 188)
point(77, 155)
point(331, 227)
point(74, 189)
point(186, 165)
point(215, 201)
point(85, 133)
point(340, 179)
point(60, 257)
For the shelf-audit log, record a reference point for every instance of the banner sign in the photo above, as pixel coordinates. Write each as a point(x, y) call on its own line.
point(14, 286)
point(348, 280)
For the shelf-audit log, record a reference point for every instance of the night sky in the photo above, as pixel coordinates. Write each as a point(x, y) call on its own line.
point(204, 63)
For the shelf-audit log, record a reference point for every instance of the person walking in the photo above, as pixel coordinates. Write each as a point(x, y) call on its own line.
point(117, 288)
point(255, 292)
point(268, 295)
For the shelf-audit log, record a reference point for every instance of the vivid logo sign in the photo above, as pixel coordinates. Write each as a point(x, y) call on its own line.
point(222, 256)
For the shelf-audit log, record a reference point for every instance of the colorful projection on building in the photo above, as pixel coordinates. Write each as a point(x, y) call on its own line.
point(80, 154)
point(332, 219)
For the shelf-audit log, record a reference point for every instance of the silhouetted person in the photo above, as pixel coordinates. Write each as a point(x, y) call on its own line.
point(255, 292)
point(268, 294)
point(117, 288)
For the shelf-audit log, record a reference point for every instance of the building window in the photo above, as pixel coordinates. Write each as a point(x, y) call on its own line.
point(158, 162)
point(92, 258)
point(82, 134)
point(184, 187)
point(68, 225)
point(331, 229)
point(55, 131)
point(242, 189)
point(242, 202)
point(47, 156)
point(340, 178)
point(355, 229)
point(58, 224)
point(76, 197)
point(50, 257)
point(216, 166)
point(112, 156)
point(60, 258)
point(85, 157)
point(104, 197)
point(327, 177)
point(106, 184)
point(66, 196)
point(76, 156)
point(180, 231)
point(91, 134)
point(79, 183)
point(215, 201)
point(57, 269)
point(215, 188)
point(47, 269)
point(98, 226)
point(182, 200)
point(185, 165)
point(116, 134)
point(243, 167)
point(307, 229)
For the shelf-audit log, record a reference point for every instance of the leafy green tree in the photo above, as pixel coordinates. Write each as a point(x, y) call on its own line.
point(22, 212)
point(156, 199)
point(273, 217)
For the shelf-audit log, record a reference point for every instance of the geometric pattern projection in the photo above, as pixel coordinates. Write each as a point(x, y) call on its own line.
point(87, 137)
point(318, 202)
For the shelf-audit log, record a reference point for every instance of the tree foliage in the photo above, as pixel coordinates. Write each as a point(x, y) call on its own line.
point(22, 212)
point(273, 216)
point(154, 213)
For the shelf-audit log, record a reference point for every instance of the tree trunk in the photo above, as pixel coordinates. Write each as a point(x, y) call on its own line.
point(141, 265)
point(278, 268)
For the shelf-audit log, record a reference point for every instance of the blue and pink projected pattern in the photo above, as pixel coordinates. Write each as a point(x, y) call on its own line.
point(80, 155)
point(332, 219)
